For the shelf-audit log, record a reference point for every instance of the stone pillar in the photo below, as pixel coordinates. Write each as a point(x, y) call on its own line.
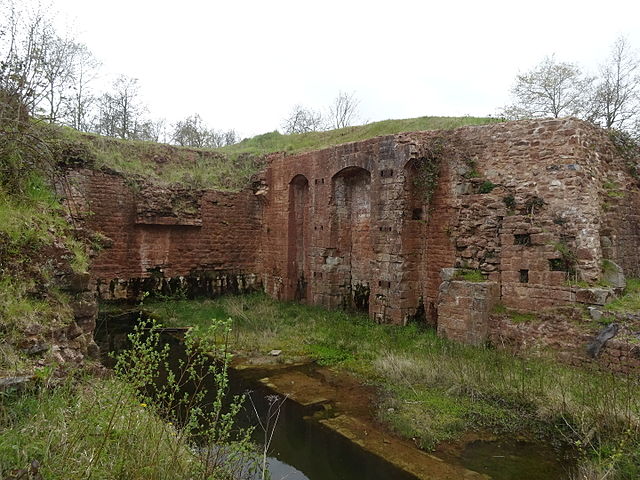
point(464, 308)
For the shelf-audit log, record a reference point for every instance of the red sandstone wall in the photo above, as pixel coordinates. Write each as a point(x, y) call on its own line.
point(536, 231)
point(211, 237)
point(364, 249)
point(349, 226)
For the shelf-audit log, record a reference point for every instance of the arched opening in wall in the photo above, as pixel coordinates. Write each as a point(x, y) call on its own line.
point(297, 237)
point(350, 235)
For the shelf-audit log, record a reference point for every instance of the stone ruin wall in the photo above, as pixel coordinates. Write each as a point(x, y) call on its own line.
point(535, 206)
point(167, 239)
point(522, 202)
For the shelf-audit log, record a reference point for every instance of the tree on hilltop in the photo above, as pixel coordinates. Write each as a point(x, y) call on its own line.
point(550, 89)
point(120, 110)
point(194, 132)
point(303, 120)
point(343, 112)
point(617, 93)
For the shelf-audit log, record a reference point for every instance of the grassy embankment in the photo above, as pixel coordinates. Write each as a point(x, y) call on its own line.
point(231, 167)
point(433, 389)
point(82, 426)
point(32, 228)
point(95, 428)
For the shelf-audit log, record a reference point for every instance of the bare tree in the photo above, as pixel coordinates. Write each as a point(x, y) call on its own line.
point(120, 110)
point(77, 105)
point(152, 130)
point(194, 132)
point(231, 137)
point(344, 110)
point(57, 71)
point(551, 89)
point(303, 120)
point(24, 36)
point(617, 95)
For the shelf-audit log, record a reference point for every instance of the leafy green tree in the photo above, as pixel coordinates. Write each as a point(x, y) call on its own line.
point(550, 89)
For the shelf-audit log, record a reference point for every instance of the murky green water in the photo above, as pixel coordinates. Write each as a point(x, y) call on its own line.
point(303, 449)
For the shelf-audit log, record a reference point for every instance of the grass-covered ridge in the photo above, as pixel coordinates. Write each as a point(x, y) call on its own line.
point(434, 389)
point(304, 142)
point(228, 168)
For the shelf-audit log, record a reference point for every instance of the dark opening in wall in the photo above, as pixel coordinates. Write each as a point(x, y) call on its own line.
point(416, 214)
point(386, 173)
point(524, 276)
point(522, 239)
point(361, 294)
point(385, 229)
point(384, 284)
point(558, 265)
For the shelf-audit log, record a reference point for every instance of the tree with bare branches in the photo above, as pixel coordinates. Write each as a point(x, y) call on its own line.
point(120, 110)
point(303, 120)
point(344, 110)
point(617, 94)
point(81, 99)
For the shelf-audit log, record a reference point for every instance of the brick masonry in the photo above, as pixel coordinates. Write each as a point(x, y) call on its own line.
point(536, 207)
point(166, 238)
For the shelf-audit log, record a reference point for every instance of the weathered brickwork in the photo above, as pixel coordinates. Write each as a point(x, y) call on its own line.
point(545, 211)
point(167, 239)
point(527, 204)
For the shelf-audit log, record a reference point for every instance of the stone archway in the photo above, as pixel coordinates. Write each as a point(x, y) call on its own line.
point(297, 264)
point(350, 234)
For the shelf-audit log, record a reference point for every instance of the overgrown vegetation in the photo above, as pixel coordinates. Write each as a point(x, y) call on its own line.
point(230, 167)
point(295, 143)
point(132, 425)
point(434, 389)
point(629, 302)
point(37, 244)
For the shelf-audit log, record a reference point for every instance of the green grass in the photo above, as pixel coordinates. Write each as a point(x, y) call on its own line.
point(231, 167)
point(629, 302)
point(469, 275)
point(434, 389)
point(303, 142)
point(95, 429)
point(192, 167)
point(519, 317)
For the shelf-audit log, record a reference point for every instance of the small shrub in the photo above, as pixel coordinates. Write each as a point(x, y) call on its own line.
point(469, 275)
point(486, 187)
point(510, 202)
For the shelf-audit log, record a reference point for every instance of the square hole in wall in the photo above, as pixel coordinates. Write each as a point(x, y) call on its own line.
point(384, 283)
point(522, 239)
point(386, 173)
point(524, 276)
point(416, 214)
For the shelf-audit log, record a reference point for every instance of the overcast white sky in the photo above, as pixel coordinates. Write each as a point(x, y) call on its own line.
point(243, 64)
